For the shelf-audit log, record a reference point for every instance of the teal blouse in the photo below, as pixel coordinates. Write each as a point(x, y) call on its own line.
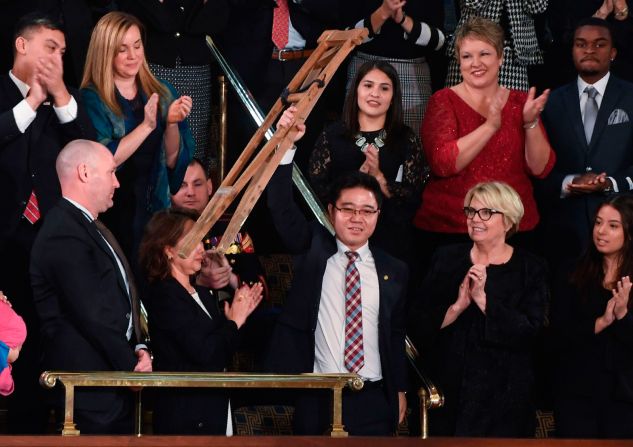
point(111, 128)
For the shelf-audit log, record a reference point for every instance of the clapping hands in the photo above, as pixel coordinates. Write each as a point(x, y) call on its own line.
point(621, 297)
point(371, 165)
point(179, 110)
point(472, 289)
point(47, 78)
point(393, 9)
point(245, 301)
point(534, 106)
point(617, 307)
point(495, 106)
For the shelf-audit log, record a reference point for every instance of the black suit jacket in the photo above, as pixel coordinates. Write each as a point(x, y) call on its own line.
point(246, 41)
point(595, 366)
point(569, 220)
point(184, 338)
point(27, 160)
point(177, 28)
point(81, 300)
point(292, 346)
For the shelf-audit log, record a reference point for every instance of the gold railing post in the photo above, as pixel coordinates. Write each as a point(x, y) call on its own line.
point(138, 413)
point(338, 431)
point(69, 428)
point(424, 413)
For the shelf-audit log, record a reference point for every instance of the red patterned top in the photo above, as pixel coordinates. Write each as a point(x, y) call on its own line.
point(449, 118)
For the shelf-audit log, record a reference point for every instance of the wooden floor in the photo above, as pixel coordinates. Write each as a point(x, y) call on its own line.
point(291, 441)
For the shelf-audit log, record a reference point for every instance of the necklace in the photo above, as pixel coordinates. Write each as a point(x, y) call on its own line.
point(378, 141)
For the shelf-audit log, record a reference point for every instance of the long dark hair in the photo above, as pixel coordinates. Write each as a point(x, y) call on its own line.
point(590, 270)
point(394, 119)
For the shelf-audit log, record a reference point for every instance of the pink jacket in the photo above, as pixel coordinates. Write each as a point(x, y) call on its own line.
point(13, 334)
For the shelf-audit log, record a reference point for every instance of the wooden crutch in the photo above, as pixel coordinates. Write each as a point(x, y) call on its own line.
point(304, 91)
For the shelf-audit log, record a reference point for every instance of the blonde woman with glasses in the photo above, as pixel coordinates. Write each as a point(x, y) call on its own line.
point(475, 318)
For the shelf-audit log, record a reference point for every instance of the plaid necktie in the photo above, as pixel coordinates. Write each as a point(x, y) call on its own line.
point(281, 18)
point(354, 354)
point(591, 112)
point(32, 210)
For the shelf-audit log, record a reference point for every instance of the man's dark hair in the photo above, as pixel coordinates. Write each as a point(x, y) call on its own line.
point(36, 20)
point(196, 161)
point(594, 21)
point(355, 179)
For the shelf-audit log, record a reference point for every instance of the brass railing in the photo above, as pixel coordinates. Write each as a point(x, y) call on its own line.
point(430, 396)
point(72, 380)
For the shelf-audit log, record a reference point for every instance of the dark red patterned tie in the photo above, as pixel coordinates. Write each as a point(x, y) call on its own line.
point(32, 210)
point(281, 18)
point(354, 354)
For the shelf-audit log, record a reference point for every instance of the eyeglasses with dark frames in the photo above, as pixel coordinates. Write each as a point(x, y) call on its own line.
point(483, 213)
point(364, 212)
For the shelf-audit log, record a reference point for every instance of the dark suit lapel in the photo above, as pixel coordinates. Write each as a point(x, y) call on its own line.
point(210, 302)
point(385, 276)
point(572, 108)
point(611, 96)
point(44, 114)
point(94, 234)
point(12, 91)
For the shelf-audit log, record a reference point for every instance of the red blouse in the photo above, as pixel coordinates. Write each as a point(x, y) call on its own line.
point(449, 118)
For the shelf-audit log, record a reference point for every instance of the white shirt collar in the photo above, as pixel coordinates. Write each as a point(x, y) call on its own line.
point(601, 85)
point(23, 87)
point(83, 209)
point(363, 252)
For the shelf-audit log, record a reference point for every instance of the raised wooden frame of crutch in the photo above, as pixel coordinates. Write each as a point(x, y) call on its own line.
point(304, 90)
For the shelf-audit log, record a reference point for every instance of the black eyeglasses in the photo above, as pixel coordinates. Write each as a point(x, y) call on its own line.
point(483, 213)
point(351, 211)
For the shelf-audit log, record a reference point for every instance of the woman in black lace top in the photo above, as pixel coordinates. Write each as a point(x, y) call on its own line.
point(372, 138)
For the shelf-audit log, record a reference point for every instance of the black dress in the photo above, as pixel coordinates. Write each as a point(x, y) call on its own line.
point(401, 162)
point(593, 373)
point(482, 362)
point(185, 338)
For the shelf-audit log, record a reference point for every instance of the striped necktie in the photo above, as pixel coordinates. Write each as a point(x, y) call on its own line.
point(32, 210)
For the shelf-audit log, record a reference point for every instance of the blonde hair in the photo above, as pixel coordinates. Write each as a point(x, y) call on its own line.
point(501, 197)
point(481, 29)
point(104, 45)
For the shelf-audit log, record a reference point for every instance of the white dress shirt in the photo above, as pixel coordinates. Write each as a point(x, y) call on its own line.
point(330, 330)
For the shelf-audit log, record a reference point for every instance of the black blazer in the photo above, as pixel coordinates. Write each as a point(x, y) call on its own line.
point(177, 28)
point(184, 338)
point(569, 220)
point(292, 345)
point(81, 300)
point(482, 362)
point(27, 160)
point(588, 364)
point(246, 42)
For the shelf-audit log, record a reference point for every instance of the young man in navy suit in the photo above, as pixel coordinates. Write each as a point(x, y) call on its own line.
point(312, 332)
point(589, 124)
